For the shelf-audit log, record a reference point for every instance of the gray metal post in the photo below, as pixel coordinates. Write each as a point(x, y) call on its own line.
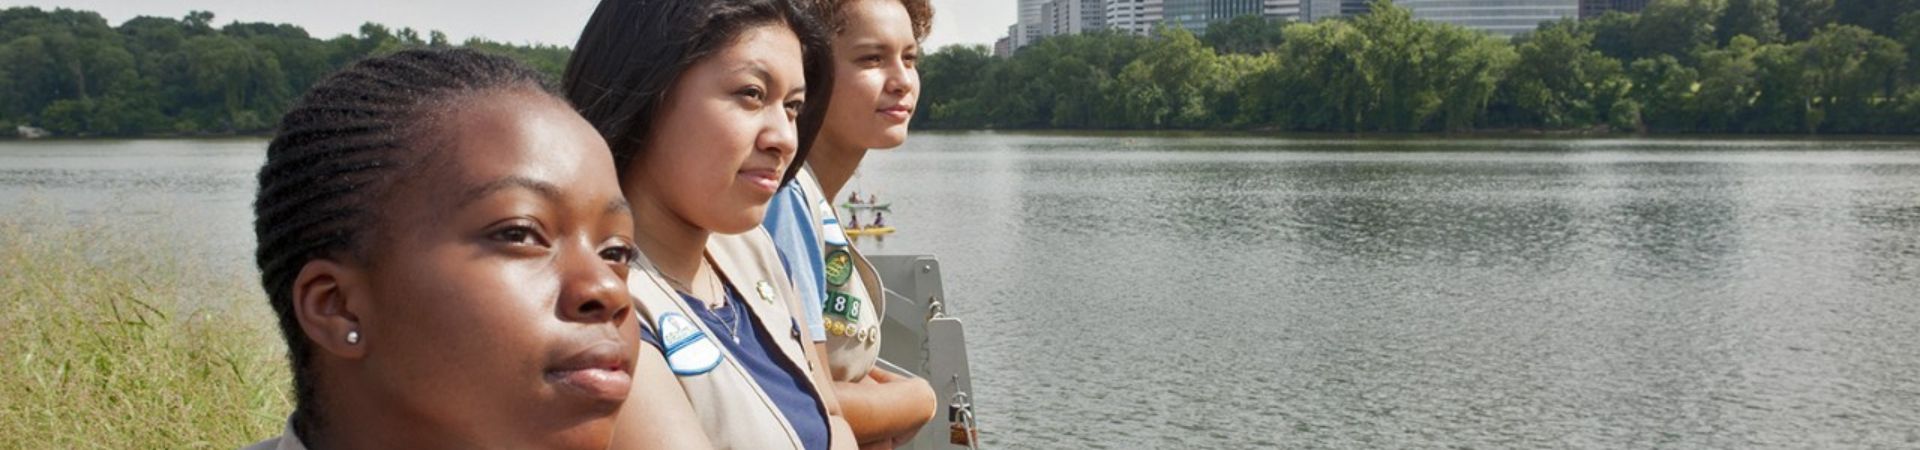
point(921, 337)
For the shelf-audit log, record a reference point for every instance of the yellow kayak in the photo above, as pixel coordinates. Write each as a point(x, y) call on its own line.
point(870, 231)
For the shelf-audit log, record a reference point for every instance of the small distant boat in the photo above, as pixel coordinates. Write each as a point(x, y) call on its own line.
point(871, 231)
point(888, 206)
point(29, 132)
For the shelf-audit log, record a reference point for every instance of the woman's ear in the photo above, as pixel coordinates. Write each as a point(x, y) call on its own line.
point(327, 297)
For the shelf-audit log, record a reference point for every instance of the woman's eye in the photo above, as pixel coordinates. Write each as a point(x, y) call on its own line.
point(870, 59)
point(795, 106)
point(754, 93)
point(517, 235)
point(619, 254)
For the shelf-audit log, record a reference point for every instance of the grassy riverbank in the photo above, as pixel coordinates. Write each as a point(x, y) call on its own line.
point(112, 340)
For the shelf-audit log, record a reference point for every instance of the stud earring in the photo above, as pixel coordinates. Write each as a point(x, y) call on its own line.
point(353, 337)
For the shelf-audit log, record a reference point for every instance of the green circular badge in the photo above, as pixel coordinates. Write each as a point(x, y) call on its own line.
point(839, 267)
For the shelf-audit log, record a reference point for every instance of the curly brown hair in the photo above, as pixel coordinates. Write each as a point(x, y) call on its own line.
point(920, 12)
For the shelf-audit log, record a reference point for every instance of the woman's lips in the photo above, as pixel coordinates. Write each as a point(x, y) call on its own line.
point(767, 180)
point(897, 114)
point(602, 372)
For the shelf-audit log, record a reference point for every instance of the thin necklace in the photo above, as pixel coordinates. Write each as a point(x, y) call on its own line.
point(733, 327)
point(685, 288)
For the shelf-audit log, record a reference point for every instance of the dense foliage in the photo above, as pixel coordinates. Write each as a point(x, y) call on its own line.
point(1729, 66)
point(1720, 66)
point(74, 74)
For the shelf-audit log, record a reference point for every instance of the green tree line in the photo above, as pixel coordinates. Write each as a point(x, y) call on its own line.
point(1721, 66)
point(74, 74)
point(1708, 66)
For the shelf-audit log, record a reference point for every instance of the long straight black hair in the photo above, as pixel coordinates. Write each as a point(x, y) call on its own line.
point(633, 51)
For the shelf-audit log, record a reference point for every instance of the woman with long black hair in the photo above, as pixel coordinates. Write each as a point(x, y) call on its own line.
point(706, 105)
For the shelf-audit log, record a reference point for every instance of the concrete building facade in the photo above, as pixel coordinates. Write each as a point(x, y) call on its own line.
point(1075, 16)
point(1134, 16)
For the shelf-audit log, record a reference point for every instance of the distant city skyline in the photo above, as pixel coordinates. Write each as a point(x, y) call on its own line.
point(1042, 18)
point(555, 22)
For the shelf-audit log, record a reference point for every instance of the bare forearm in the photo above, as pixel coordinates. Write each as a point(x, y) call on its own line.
point(879, 411)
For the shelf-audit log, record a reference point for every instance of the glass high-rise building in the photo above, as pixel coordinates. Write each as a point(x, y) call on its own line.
point(1594, 8)
point(1502, 17)
point(1195, 15)
point(1355, 7)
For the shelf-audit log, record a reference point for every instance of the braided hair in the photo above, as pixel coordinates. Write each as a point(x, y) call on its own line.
point(340, 150)
point(633, 51)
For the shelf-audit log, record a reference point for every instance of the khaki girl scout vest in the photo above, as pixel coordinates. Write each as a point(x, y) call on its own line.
point(286, 441)
point(733, 409)
point(855, 303)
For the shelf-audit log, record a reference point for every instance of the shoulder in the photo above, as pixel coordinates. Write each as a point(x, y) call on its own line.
point(651, 293)
point(286, 441)
point(751, 259)
point(789, 204)
point(754, 248)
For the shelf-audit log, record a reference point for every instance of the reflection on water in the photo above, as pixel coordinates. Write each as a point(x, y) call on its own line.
point(1128, 292)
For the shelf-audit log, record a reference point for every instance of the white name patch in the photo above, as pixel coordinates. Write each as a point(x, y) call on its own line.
point(690, 351)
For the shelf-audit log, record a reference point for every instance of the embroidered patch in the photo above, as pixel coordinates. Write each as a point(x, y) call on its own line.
point(839, 267)
point(843, 305)
point(831, 232)
point(689, 351)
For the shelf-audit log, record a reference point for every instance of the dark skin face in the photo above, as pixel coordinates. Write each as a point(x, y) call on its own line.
point(491, 309)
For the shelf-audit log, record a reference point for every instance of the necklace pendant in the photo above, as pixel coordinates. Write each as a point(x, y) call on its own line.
point(736, 339)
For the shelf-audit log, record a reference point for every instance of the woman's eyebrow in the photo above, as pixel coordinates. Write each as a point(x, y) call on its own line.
point(618, 206)
point(755, 69)
point(758, 70)
point(870, 45)
point(545, 189)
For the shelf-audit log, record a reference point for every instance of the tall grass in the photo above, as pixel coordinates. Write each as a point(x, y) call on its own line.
point(110, 338)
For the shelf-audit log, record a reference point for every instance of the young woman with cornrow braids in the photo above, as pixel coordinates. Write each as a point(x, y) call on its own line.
point(446, 247)
point(705, 105)
point(876, 87)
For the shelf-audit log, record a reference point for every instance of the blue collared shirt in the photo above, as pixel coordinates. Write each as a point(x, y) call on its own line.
point(796, 235)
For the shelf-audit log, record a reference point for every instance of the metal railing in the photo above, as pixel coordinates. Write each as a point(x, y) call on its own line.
point(922, 338)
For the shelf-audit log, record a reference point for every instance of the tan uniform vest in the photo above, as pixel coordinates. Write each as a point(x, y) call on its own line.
point(732, 408)
point(286, 441)
point(855, 302)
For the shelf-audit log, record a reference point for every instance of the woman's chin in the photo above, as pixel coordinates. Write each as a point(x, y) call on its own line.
point(888, 139)
point(740, 223)
point(591, 435)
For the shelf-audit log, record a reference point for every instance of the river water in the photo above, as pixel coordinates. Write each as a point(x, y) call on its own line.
point(1163, 291)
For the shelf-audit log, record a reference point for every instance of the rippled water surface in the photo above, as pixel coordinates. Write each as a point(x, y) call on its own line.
point(1141, 292)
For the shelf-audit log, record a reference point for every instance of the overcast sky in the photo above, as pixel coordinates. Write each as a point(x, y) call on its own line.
point(516, 21)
